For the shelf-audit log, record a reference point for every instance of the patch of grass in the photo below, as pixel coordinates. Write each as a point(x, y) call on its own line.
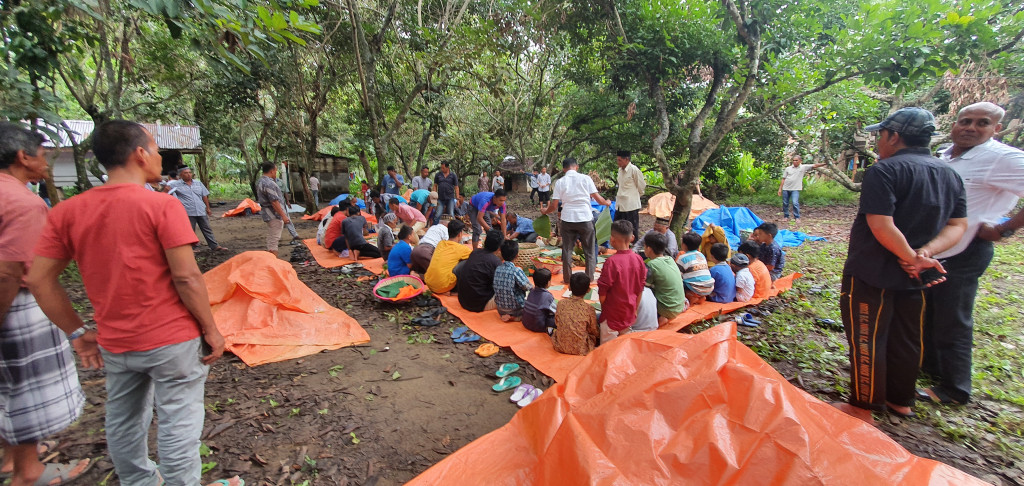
point(820, 192)
point(229, 190)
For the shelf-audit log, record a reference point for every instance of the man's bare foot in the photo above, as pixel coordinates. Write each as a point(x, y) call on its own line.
point(855, 412)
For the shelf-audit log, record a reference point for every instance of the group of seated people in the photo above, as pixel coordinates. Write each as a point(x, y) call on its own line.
point(652, 281)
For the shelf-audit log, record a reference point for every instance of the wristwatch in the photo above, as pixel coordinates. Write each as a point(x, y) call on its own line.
point(1004, 233)
point(77, 333)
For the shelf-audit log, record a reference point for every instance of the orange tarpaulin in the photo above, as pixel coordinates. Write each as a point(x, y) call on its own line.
point(267, 314)
point(319, 215)
point(660, 205)
point(661, 407)
point(242, 206)
point(536, 347)
point(330, 259)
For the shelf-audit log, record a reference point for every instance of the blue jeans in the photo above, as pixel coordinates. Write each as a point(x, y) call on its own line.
point(949, 326)
point(788, 196)
point(444, 206)
point(174, 379)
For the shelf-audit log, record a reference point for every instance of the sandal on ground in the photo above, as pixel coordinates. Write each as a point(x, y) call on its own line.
point(467, 338)
point(530, 397)
point(487, 349)
point(459, 331)
point(506, 369)
point(43, 447)
point(520, 392)
point(935, 396)
point(893, 411)
point(234, 481)
point(221, 248)
point(56, 473)
point(749, 321)
point(507, 383)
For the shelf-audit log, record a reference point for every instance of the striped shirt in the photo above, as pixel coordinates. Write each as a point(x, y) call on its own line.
point(696, 276)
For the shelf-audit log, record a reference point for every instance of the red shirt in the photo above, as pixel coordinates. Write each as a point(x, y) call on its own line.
point(333, 230)
point(118, 234)
point(626, 273)
point(22, 216)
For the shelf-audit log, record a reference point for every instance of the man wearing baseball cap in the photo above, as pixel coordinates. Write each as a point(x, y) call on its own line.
point(912, 206)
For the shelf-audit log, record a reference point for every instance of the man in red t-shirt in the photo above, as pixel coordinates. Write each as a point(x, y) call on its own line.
point(134, 251)
point(626, 273)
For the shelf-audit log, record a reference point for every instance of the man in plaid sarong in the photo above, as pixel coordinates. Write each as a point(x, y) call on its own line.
point(39, 390)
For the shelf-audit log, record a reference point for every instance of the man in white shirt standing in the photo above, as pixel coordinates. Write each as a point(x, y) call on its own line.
point(314, 187)
point(993, 175)
point(574, 191)
point(498, 182)
point(632, 185)
point(544, 186)
point(533, 184)
point(422, 181)
point(792, 183)
point(196, 199)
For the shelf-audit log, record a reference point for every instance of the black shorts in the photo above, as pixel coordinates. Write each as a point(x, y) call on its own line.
point(545, 196)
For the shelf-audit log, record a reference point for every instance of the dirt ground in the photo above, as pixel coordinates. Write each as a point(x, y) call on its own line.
point(383, 412)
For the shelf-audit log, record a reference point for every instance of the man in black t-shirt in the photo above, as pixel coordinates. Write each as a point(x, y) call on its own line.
point(475, 282)
point(912, 206)
point(354, 231)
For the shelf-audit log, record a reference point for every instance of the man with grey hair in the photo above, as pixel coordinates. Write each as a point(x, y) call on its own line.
point(39, 390)
point(196, 199)
point(993, 175)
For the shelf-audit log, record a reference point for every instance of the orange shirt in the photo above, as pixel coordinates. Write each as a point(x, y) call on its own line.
point(762, 279)
point(21, 221)
point(333, 230)
point(117, 234)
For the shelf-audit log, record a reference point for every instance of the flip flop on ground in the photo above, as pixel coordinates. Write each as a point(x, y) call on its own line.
point(520, 392)
point(467, 338)
point(59, 473)
point(459, 331)
point(507, 383)
point(530, 397)
point(506, 369)
point(935, 396)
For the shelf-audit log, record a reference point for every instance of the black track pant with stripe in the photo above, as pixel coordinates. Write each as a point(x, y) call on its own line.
point(884, 331)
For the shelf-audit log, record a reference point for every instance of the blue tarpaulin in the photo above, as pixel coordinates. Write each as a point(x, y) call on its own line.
point(597, 208)
point(342, 197)
point(734, 220)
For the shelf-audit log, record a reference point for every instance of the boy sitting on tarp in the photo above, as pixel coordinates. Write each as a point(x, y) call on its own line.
point(725, 280)
point(539, 308)
point(697, 279)
point(576, 329)
point(401, 254)
point(744, 280)
point(771, 253)
point(762, 279)
point(663, 278)
point(440, 277)
point(510, 284)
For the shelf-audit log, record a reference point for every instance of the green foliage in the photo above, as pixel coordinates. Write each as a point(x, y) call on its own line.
point(820, 192)
point(742, 177)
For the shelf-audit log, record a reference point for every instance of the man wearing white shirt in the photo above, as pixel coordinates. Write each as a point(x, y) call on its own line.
point(993, 175)
point(632, 185)
point(792, 183)
point(544, 186)
point(498, 182)
point(574, 191)
point(314, 187)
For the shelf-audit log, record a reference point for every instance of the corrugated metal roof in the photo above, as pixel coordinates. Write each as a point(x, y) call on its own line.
point(169, 137)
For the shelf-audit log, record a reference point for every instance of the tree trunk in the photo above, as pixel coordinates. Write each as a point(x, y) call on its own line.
point(367, 171)
point(202, 167)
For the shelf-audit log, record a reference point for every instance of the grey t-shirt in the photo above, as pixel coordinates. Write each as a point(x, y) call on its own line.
point(352, 228)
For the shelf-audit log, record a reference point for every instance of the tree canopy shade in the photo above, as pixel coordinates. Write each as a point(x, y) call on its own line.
point(684, 85)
